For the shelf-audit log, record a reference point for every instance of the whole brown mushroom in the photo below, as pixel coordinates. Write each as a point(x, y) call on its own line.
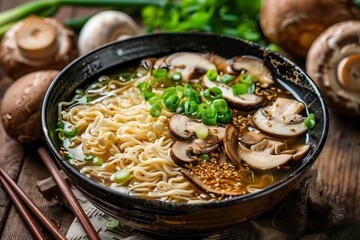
point(333, 62)
point(294, 24)
point(37, 44)
point(21, 106)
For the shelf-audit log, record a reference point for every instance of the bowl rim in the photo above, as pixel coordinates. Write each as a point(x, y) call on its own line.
point(189, 206)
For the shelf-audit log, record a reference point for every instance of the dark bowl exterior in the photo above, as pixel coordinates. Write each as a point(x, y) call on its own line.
point(174, 219)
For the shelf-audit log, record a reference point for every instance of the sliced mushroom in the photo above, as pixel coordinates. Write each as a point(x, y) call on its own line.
point(184, 152)
point(251, 137)
point(268, 146)
point(301, 152)
point(183, 127)
point(194, 179)
point(281, 119)
point(191, 65)
point(231, 142)
point(245, 102)
point(262, 160)
point(221, 63)
point(254, 67)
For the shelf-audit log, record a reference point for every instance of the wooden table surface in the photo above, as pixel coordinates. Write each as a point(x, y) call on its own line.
point(338, 165)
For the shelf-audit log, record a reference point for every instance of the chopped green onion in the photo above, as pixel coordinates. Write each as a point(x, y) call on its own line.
point(205, 157)
point(180, 89)
point(310, 121)
point(224, 117)
point(172, 102)
point(248, 79)
point(212, 74)
point(67, 134)
point(239, 89)
point(89, 158)
point(122, 175)
point(220, 105)
point(97, 161)
point(190, 107)
point(201, 109)
point(155, 99)
point(176, 77)
point(160, 74)
point(213, 93)
point(61, 124)
point(202, 131)
point(192, 94)
point(251, 88)
point(209, 116)
point(69, 156)
point(181, 107)
point(227, 78)
point(147, 95)
point(155, 110)
point(112, 224)
point(145, 87)
point(168, 92)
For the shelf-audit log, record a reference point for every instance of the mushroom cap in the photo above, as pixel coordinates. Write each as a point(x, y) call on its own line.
point(47, 54)
point(333, 63)
point(21, 105)
point(294, 24)
point(105, 27)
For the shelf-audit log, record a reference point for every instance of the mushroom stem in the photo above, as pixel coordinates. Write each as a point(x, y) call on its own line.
point(36, 38)
point(348, 72)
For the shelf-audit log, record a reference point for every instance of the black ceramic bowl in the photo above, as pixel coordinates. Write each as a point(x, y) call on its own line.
point(166, 218)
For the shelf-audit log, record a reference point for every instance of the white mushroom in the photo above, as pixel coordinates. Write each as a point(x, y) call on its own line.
point(281, 119)
point(105, 27)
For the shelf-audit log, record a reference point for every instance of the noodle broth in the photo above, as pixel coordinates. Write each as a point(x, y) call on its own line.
point(108, 133)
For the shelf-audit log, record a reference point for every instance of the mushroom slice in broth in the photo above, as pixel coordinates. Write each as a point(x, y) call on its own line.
point(255, 68)
point(281, 119)
point(183, 152)
point(245, 102)
point(189, 64)
point(183, 127)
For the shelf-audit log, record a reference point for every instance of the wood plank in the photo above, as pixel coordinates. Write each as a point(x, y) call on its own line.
point(32, 171)
point(339, 165)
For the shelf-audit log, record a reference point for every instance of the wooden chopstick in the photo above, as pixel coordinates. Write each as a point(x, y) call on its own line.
point(68, 194)
point(22, 210)
point(57, 234)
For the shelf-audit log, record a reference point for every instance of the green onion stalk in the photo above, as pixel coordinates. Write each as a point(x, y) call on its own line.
point(45, 8)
